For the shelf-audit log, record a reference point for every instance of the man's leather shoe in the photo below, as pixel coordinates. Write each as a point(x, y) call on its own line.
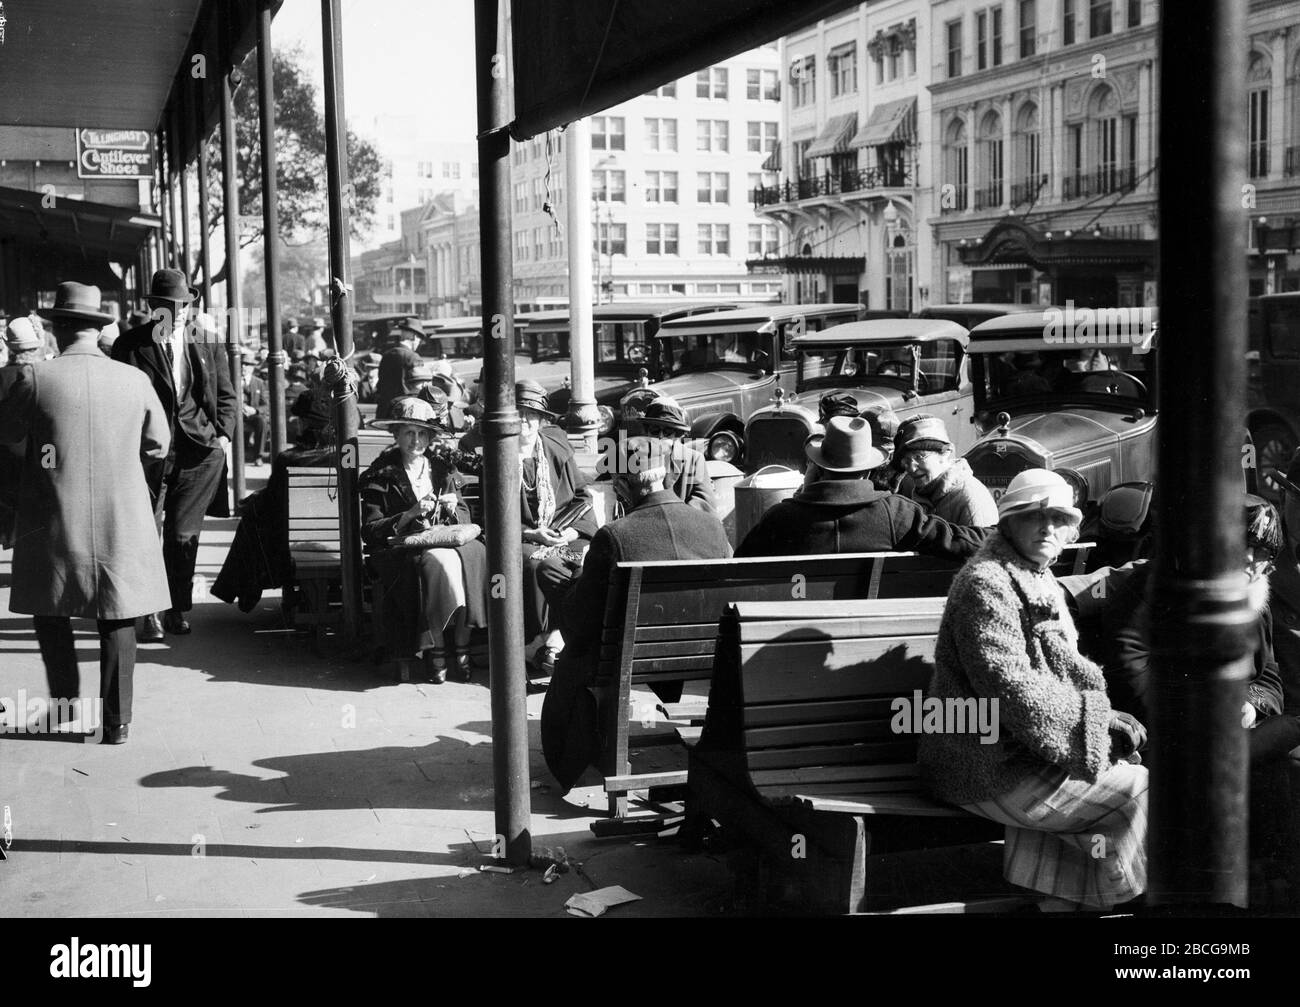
point(151, 631)
point(116, 735)
point(175, 623)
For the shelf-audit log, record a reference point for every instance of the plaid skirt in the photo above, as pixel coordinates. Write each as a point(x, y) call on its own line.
point(1074, 840)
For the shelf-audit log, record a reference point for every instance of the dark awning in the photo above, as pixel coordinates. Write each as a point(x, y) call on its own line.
point(1011, 244)
point(835, 137)
point(891, 122)
point(573, 58)
point(773, 162)
point(113, 231)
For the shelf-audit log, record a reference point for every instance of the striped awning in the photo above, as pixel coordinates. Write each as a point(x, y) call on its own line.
point(892, 122)
point(835, 137)
point(773, 161)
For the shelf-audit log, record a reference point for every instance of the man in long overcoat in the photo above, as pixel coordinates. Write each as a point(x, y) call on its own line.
point(188, 369)
point(397, 367)
point(86, 543)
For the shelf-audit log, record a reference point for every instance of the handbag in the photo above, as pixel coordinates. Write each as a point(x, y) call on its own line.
point(442, 536)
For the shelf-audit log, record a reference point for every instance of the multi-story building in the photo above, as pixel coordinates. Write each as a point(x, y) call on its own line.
point(416, 169)
point(671, 175)
point(1046, 117)
point(393, 279)
point(448, 239)
point(853, 192)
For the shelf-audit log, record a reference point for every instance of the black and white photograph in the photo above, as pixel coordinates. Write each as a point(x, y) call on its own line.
point(724, 460)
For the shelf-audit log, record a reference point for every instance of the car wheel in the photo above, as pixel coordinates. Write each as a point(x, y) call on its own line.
point(1275, 446)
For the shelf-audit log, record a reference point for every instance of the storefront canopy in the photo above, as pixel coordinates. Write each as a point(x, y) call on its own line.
point(1014, 245)
point(834, 139)
point(892, 122)
point(573, 58)
point(113, 231)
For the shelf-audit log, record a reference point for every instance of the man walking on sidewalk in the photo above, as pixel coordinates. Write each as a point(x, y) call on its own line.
point(192, 381)
point(86, 542)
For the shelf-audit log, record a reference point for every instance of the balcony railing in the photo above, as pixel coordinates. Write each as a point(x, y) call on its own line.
point(988, 197)
point(833, 184)
point(1027, 191)
point(1100, 182)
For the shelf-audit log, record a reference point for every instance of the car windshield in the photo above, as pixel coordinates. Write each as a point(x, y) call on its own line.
point(836, 366)
point(621, 347)
point(550, 345)
point(451, 347)
point(1100, 373)
point(692, 352)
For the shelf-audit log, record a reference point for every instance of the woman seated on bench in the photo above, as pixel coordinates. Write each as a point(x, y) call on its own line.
point(410, 489)
point(1064, 775)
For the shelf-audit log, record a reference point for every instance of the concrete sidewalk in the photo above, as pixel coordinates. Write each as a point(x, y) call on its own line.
point(260, 779)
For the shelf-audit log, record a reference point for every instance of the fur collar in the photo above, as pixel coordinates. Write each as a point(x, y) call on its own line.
point(1038, 587)
point(952, 480)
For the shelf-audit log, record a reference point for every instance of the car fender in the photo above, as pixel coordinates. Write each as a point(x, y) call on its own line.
point(1274, 414)
point(707, 425)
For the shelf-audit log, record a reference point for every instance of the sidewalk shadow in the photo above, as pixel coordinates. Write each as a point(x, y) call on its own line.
point(243, 851)
point(447, 774)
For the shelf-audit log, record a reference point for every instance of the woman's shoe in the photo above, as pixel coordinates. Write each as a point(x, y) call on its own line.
point(435, 665)
point(464, 670)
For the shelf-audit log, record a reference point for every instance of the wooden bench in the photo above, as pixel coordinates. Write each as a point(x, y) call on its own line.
point(798, 754)
point(315, 556)
point(660, 628)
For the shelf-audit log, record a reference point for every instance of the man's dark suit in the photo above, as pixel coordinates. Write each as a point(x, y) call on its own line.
point(661, 527)
point(184, 485)
point(396, 377)
point(256, 427)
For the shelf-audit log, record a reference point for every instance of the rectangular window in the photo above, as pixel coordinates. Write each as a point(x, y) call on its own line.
point(1028, 25)
point(953, 32)
point(714, 239)
point(713, 187)
point(1134, 13)
point(712, 135)
point(988, 38)
point(609, 186)
point(669, 90)
point(1131, 143)
point(760, 137)
point(607, 132)
point(712, 83)
point(762, 239)
point(762, 85)
point(981, 40)
point(803, 81)
point(842, 65)
point(521, 244)
point(802, 163)
point(996, 40)
point(661, 239)
point(1067, 22)
point(539, 243)
point(1107, 153)
point(661, 186)
point(1099, 17)
point(1257, 133)
point(661, 134)
point(611, 239)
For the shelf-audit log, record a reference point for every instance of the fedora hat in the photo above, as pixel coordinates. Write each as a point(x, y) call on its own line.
point(845, 447)
point(77, 302)
point(665, 414)
point(410, 410)
point(531, 395)
point(22, 335)
point(315, 325)
point(170, 285)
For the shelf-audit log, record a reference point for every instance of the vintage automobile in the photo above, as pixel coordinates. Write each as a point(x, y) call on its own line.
point(722, 367)
point(909, 365)
point(624, 344)
point(1069, 390)
point(1273, 392)
point(972, 314)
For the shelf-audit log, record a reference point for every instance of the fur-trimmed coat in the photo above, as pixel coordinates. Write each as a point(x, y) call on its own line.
point(1006, 634)
point(959, 498)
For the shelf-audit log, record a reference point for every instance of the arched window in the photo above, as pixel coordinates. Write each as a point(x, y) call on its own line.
point(957, 164)
point(990, 191)
point(1027, 168)
point(1258, 85)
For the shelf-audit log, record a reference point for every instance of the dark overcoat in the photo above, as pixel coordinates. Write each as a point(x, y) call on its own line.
point(86, 544)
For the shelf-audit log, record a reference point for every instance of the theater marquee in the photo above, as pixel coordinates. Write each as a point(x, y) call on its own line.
point(114, 153)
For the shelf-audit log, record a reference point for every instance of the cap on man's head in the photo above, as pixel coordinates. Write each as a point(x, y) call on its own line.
point(22, 335)
point(836, 404)
point(316, 325)
point(922, 433)
point(409, 327)
point(667, 415)
point(289, 323)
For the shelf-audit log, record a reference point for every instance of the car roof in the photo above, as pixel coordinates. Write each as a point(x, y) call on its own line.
point(884, 330)
point(976, 308)
point(466, 325)
point(1003, 333)
point(559, 319)
point(754, 316)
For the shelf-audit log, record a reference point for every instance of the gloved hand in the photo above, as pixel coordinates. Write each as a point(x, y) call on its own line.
point(1127, 733)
